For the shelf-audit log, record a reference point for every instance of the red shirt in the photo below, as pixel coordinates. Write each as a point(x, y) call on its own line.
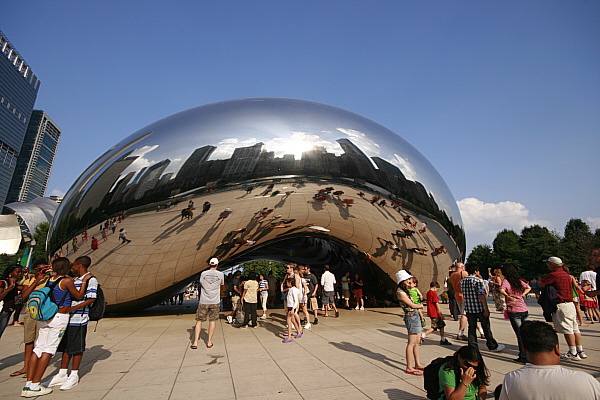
point(432, 300)
point(562, 282)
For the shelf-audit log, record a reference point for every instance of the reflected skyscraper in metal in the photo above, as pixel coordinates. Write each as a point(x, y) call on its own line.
point(304, 182)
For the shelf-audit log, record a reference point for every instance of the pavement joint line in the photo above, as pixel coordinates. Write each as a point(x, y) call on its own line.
point(138, 359)
point(180, 364)
point(228, 359)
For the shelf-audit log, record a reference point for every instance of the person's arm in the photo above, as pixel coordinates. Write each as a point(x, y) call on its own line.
point(10, 284)
point(546, 281)
point(69, 285)
point(244, 294)
point(408, 301)
point(458, 393)
point(439, 310)
point(482, 394)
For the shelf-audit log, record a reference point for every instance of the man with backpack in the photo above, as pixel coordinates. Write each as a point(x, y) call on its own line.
point(72, 344)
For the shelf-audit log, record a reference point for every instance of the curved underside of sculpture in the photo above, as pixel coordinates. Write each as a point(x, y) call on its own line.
point(286, 180)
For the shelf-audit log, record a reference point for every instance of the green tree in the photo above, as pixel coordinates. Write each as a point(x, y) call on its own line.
point(40, 235)
point(265, 267)
point(484, 256)
point(538, 243)
point(507, 248)
point(577, 245)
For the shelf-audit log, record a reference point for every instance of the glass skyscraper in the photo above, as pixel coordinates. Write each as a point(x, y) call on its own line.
point(34, 163)
point(18, 91)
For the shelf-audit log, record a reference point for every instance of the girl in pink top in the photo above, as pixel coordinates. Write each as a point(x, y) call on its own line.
point(514, 289)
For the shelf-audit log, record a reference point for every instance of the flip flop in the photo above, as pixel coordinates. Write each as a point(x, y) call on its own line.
point(210, 345)
point(193, 347)
point(17, 373)
point(415, 373)
point(420, 368)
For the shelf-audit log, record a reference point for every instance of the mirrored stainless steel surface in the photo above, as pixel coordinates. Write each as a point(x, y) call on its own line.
point(313, 170)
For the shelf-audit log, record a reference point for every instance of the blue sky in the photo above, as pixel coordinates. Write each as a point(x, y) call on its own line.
point(502, 97)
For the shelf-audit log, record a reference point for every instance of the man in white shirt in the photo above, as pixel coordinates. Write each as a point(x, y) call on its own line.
point(589, 275)
point(209, 304)
point(544, 378)
point(328, 283)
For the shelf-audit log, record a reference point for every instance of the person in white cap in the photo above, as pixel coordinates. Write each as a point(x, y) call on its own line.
point(413, 322)
point(565, 317)
point(208, 307)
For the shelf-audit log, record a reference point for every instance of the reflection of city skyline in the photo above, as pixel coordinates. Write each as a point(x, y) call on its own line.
point(256, 161)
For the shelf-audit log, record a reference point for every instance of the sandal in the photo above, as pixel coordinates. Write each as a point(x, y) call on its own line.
point(193, 347)
point(209, 345)
point(17, 373)
point(415, 373)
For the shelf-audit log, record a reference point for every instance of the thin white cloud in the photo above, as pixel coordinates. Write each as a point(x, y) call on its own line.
point(143, 150)
point(405, 166)
point(482, 221)
point(226, 147)
point(368, 146)
point(593, 222)
point(298, 143)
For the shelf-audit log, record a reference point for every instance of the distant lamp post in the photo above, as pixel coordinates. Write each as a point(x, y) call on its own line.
point(31, 246)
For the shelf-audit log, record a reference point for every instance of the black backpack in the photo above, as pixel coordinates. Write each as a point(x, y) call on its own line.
point(431, 378)
point(98, 307)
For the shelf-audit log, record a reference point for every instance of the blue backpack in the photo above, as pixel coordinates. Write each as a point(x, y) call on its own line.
point(41, 303)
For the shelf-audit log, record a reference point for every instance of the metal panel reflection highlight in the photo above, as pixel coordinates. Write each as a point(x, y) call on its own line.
point(312, 169)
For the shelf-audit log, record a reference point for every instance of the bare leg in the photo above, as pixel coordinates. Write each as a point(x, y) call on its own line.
point(41, 366)
point(76, 361)
point(197, 330)
point(211, 331)
point(288, 319)
point(413, 339)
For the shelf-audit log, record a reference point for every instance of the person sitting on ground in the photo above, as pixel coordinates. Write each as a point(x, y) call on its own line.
point(544, 378)
point(467, 363)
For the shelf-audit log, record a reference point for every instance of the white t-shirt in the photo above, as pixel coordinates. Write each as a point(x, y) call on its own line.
point(549, 382)
point(590, 276)
point(293, 296)
point(211, 281)
point(328, 281)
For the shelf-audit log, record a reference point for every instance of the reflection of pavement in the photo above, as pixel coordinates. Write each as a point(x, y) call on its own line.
point(357, 356)
point(166, 250)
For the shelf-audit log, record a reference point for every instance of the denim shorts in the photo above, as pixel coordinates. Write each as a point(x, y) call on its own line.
point(413, 323)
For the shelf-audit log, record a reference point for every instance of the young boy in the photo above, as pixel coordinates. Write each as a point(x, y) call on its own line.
point(434, 312)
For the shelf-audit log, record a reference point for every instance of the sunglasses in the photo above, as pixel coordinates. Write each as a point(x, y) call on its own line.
point(469, 365)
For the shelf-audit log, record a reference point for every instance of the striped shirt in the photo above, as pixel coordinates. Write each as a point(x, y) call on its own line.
point(80, 316)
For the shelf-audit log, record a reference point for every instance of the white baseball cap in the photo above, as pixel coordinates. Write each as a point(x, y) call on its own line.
point(402, 275)
point(554, 260)
point(214, 261)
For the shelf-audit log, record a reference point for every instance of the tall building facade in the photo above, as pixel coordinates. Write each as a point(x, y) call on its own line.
point(34, 163)
point(18, 91)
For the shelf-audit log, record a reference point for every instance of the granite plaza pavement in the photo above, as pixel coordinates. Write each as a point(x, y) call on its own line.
point(359, 355)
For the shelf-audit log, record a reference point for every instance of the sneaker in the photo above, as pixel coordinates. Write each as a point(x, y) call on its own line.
point(316, 321)
point(24, 391)
point(229, 319)
point(582, 354)
point(337, 314)
point(243, 327)
point(264, 316)
point(357, 308)
point(499, 349)
point(41, 391)
point(570, 357)
point(57, 380)
point(362, 309)
point(462, 337)
point(304, 321)
point(72, 381)
point(445, 342)
point(308, 326)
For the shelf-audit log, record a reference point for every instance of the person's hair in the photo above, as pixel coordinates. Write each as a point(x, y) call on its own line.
point(39, 261)
point(434, 284)
point(470, 353)
point(121, 230)
point(61, 265)
point(402, 286)
point(10, 269)
point(585, 282)
point(252, 276)
point(261, 276)
point(471, 267)
point(326, 267)
point(415, 280)
point(237, 273)
point(289, 282)
point(512, 276)
point(538, 337)
point(84, 261)
point(566, 269)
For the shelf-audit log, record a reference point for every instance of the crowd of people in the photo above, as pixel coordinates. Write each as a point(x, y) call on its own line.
point(72, 289)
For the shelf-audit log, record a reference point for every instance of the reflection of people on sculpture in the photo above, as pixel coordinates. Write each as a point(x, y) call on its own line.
point(348, 202)
point(382, 203)
point(419, 250)
point(187, 213)
point(205, 207)
point(361, 194)
point(423, 228)
point(224, 214)
point(406, 219)
point(338, 193)
point(191, 204)
point(288, 193)
point(123, 236)
point(389, 243)
point(440, 250)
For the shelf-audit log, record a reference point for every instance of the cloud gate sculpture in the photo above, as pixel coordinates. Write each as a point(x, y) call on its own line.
point(283, 180)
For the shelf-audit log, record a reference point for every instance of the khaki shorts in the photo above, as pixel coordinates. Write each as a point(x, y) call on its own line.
point(30, 328)
point(207, 311)
point(565, 319)
point(314, 304)
point(236, 303)
point(346, 294)
point(461, 307)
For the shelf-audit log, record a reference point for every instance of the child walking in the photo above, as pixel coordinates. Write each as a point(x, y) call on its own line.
point(590, 303)
point(435, 314)
point(413, 322)
point(292, 317)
